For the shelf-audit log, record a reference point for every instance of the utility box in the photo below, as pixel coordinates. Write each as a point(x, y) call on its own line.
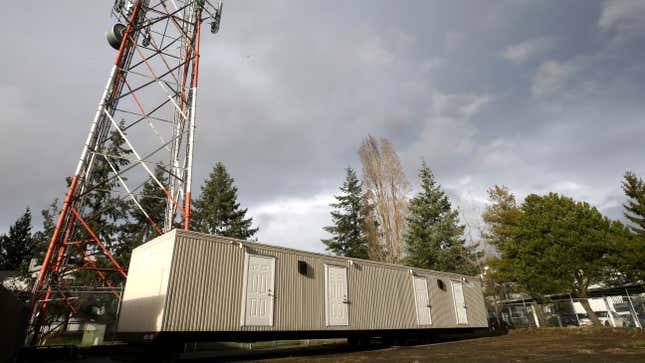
point(193, 286)
point(93, 334)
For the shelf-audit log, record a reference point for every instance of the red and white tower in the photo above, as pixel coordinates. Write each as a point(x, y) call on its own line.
point(147, 111)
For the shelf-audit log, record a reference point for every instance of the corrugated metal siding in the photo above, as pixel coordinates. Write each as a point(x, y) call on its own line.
point(477, 314)
point(206, 282)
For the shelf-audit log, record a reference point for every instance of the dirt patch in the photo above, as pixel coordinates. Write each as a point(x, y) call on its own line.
point(548, 345)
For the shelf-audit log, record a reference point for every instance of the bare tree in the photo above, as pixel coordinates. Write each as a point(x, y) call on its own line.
point(387, 187)
point(375, 250)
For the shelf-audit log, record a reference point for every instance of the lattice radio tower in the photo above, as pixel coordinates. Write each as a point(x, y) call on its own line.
point(147, 111)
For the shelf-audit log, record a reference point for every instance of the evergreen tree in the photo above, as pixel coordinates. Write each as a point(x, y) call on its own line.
point(434, 238)
point(501, 217)
point(634, 188)
point(217, 210)
point(103, 210)
point(17, 246)
point(626, 256)
point(562, 248)
point(106, 212)
point(139, 229)
point(49, 224)
point(348, 229)
point(628, 242)
point(43, 237)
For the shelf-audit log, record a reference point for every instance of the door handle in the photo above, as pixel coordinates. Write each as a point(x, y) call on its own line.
point(270, 293)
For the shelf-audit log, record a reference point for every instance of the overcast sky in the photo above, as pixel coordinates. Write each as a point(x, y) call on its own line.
point(536, 95)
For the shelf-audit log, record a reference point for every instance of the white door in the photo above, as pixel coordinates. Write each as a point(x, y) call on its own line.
point(336, 295)
point(460, 303)
point(420, 285)
point(258, 290)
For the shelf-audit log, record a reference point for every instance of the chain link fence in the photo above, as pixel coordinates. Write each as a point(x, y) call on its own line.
point(619, 311)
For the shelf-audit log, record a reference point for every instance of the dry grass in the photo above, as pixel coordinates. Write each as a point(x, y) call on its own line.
point(587, 331)
point(572, 345)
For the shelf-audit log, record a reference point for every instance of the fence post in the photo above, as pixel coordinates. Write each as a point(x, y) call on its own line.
point(636, 319)
point(573, 306)
point(526, 315)
point(610, 313)
point(535, 316)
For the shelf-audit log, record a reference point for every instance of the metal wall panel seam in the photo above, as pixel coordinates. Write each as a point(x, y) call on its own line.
point(341, 260)
point(202, 263)
point(170, 235)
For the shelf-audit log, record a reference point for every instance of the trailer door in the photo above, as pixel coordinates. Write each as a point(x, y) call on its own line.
point(420, 285)
point(336, 295)
point(460, 303)
point(257, 305)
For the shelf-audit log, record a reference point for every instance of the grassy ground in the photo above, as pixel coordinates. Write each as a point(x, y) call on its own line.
point(588, 345)
point(522, 345)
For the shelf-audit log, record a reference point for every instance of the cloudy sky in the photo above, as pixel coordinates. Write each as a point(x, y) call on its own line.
point(537, 95)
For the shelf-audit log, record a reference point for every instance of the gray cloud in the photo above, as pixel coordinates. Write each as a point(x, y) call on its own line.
point(551, 76)
point(521, 52)
point(540, 96)
point(622, 16)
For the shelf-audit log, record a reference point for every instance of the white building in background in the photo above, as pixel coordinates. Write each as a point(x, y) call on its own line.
point(11, 281)
point(615, 307)
point(614, 311)
point(21, 287)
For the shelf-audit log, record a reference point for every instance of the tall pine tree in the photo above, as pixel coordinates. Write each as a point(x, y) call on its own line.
point(564, 245)
point(434, 238)
point(43, 237)
point(500, 216)
point(138, 229)
point(348, 229)
point(628, 242)
point(17, 246)
point(634, 188)
point(103, 210)
point(217, 210)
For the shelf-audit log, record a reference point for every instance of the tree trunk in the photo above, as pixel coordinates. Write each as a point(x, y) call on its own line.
point(581, 286)
point(387, 185)
point(592, 315)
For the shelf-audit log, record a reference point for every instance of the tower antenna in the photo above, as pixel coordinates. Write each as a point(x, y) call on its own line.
point(142, 133)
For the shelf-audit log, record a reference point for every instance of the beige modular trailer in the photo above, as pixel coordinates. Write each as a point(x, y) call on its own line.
point(198, 286)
